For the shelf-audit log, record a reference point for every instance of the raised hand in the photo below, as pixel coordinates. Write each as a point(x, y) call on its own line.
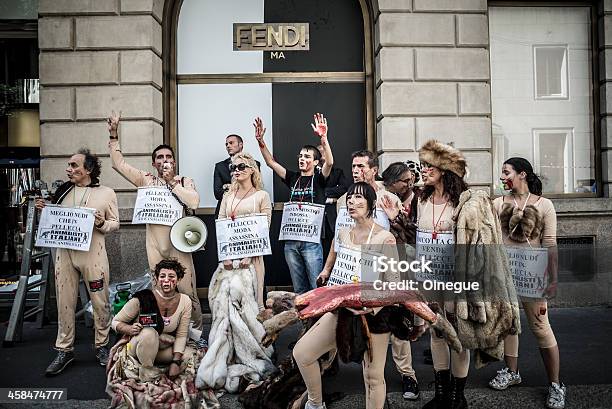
point(320, 125)
point(389, 207)
point(168, 172)
point(113, 124)
point(259, 132)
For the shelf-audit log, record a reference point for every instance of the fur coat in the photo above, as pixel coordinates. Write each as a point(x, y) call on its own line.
point(235, 350)
point(484, 317)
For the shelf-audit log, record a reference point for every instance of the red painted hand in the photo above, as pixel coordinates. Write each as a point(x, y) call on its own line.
point(320, 125)
point(260, 131)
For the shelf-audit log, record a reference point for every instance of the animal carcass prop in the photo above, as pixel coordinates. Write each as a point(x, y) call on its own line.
point(357, 297)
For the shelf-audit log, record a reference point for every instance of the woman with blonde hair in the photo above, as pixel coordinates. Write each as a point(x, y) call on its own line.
point(235, 294)
point(246, 197)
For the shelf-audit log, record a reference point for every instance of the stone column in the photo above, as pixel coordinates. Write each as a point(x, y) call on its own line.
point(433, 81)
point(98, 56)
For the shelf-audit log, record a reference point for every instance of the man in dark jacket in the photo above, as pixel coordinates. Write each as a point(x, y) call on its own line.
point(337, 185)
point(222, 177)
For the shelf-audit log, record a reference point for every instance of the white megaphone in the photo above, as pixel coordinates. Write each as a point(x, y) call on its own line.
point(188, 234)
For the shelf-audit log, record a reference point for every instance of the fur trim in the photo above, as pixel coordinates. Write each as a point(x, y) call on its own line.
point(235, 349)
point(443, 156)
point(521, 225)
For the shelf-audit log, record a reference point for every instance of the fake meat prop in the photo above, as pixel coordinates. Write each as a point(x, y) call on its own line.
point(355, 296)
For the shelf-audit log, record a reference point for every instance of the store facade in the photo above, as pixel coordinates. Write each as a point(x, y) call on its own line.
point(497, 79)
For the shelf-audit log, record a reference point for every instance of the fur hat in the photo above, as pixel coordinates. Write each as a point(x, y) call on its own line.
point(444, 157)
point(521, 225)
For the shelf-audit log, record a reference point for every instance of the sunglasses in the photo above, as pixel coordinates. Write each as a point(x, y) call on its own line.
point(425, 165)
point(240, 167)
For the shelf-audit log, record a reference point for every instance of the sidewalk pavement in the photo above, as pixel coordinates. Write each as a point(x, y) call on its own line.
point(579, 397)
point(583, 335)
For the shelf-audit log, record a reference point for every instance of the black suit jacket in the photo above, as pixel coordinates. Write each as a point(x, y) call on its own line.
point(221, 177)
point(337, 185)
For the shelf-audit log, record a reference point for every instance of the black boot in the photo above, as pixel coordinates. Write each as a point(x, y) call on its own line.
point(456, 397)
point(440, 400)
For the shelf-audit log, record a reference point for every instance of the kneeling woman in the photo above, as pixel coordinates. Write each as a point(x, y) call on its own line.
point(157, 323)
point(321, 337)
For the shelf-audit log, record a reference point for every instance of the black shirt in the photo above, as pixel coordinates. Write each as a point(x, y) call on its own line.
point(300, 187)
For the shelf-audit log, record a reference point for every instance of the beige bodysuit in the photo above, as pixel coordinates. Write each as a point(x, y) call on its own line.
point(441, 216)
point(536, 310)
point(258, 202)
point(92, 265)
point(321, 337)
point(158, 242)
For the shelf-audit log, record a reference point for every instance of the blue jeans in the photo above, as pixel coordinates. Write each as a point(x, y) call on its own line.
point(305, 261)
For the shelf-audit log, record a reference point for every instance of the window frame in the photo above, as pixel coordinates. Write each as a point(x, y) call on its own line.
point(568, 152)
point(565, 76)
point(595, 68)
point(171, 79)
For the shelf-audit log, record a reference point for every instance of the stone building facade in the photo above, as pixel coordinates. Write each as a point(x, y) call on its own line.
point(432, 78)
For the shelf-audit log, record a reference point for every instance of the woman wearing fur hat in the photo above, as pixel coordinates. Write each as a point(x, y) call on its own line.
point(528, 219)
point(443, 169)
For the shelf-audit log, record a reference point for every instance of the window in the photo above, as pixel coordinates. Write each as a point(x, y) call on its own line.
point(550, 66)
point(553, 156)
point(219, 90)
point(541, 94)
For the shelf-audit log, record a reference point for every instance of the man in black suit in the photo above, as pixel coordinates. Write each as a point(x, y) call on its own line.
point(222, 177)
point(337, 185)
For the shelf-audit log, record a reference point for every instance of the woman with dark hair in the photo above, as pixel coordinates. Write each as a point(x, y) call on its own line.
point(462, 224)
point(530, 220)
point(321, 337)
point(153, 365)
point(443, 169)
point(399, 178)
point(83, 190)
point(157, 323)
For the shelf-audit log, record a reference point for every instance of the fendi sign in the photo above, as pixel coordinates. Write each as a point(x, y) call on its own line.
point(271, 37)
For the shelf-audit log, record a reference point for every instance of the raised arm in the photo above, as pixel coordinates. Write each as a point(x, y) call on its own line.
point(320, 128)
point(270, 161)
point(135, 176)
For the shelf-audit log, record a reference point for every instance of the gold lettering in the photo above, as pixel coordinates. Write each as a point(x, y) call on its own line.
point(277, 36)
point(295, 37)
point(258, 32)
point(302, 35)
point(240, 36)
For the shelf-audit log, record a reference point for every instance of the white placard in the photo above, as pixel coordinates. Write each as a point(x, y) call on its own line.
point(345, 220)
point(66, 227)
point(528, 267)
point(441, 251)
point(245, 236)
point(302, 222)
point(156, 205)
point(353, 265)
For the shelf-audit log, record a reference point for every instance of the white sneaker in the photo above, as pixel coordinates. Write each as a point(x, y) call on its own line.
point(504, 379)
point(556, 396)
point(310, 405)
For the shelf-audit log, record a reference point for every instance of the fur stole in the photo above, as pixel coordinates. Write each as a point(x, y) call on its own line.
point(235, 349)
point(521, 225)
